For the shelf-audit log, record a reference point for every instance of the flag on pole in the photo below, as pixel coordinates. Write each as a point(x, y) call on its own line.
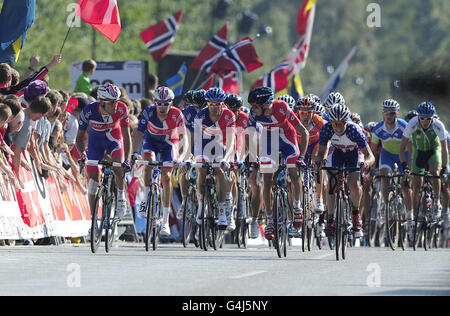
point(230, 82)
point(277, 78)
point(159, 37)
point(176, 82)
point(337, 75)
point(239, 57)
point(296, 87)
point(103, 15)
point(305, 22)
point(16, 18)
point(212, 51)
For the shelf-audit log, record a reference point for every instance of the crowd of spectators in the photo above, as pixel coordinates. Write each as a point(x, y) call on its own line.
point(44, 121)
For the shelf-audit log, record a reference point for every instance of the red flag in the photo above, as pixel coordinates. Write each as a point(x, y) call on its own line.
point(277, 78)
point(159, 37)
point(207, 84)
point(305, 21)
point(239, 57)
point(212, 51)
point(230, 82)
point(103, 15)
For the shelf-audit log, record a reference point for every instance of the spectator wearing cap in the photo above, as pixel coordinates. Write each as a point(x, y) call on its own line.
point(35, 89)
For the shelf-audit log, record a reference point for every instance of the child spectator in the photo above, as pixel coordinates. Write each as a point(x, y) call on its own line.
point(83, 82)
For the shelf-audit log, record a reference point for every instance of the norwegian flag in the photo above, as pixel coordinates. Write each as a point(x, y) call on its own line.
point(103, 15)
point(305, 22)
point(239, 57)
point(212, 51)
point(277, 78)
point(159, 37)
point(230, 82)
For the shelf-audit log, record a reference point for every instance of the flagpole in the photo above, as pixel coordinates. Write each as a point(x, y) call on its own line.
point(195, 80)
point(65, 39)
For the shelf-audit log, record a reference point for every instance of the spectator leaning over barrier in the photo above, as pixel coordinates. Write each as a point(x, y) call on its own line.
point(35, 111)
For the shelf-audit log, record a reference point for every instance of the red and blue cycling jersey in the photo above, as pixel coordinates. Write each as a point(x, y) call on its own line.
point(210, 138)
point(162, 137)
point(105, 131)
point(283, 120)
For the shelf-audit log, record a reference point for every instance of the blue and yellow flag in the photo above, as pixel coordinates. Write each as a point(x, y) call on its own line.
point(176, 82)
point(16, 17)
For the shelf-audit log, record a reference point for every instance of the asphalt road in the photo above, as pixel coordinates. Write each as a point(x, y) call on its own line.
point(174, 270)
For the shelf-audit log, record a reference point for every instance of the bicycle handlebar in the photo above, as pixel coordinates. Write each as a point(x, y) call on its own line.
point(96, 163)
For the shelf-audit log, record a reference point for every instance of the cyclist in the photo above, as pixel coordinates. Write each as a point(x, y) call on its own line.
point(332, 99)
point(187, 100)
point(279, 123)
point(198, 103)
point(389, 133)
point(161, 132)
point(214, 129)
point(429, 151)
point(109, 131)
point(313, 123)
point(349, 148)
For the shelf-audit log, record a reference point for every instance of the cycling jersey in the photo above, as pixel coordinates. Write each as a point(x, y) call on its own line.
point(390, 140)
point(105, 131)
point(162, 137)
point(426, 144)
point(189, 115)
point(283, 119)
point(241, 131)
point(314, 134)
point(209, 135)
point(345, 149)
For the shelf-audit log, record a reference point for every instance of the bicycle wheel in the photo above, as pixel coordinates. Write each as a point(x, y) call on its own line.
point(188, 217)
point(204, 223)
point(338, 226)
point(392, 223)
point(418, 226)
point(304, 232)
point(110, 229)
point(403, 227)
point(245, 230)
point(346, 228)
point(373, 223)
point(157, 206)
point(150, 211)
point(278, 223)
point(97, 221)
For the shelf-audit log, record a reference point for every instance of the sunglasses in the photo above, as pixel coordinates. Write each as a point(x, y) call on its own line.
point(305, 112)
point(214, 103)
point(425, 118)
point(390, 113)
point(163, 103)
point(338, 124)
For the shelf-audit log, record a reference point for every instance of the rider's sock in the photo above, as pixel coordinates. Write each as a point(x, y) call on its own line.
point(166, 213)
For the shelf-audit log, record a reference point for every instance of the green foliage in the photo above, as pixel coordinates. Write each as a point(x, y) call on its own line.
point(413, 41)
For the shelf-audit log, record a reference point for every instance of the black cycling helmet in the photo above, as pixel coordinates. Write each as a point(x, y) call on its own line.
point(188, 96)
point(199, 98)
point(410, 115)
point(234, 102)
point(261, 95)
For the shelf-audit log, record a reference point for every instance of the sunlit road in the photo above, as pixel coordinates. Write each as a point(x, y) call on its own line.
point(174, 270)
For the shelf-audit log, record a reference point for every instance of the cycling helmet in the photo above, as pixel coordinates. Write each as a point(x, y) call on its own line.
point(314, 97)
point(188, 97)
point(334, 98)
point(108, 92)
point(426, 109)
point(306, 104)
point(215, 94)
point(356, 118)
point(288, 99)
point(320, 110)
point(199, 98)
point(234, 102)
point(390, 106)
point(410, 115)
point(339, 112)
point(369, 126)
point(261, 95)
point(163, 94)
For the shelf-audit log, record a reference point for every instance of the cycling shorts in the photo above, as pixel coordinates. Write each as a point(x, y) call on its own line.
point(111, 142)
point(387, 161)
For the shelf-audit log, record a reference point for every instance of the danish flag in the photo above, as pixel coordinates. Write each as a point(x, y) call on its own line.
point(159, 37)
point(103, 15)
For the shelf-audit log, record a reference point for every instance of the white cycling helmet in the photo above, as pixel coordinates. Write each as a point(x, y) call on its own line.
point(390, 105)
point(288, 99)
point(108, 92)
point(163, 94)
point(339, 112)
point(333, 98)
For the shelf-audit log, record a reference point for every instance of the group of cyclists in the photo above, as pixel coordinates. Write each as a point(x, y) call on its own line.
point(212, 126)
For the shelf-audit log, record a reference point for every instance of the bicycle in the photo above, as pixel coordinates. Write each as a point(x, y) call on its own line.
point(243, 205)
point(376, 229)
point(395, 212)
point(424, 225)
point(210, 234)
point(311, 219)
point(343, 234)
point(190, 208)
point(106, 199)
point(153, 205)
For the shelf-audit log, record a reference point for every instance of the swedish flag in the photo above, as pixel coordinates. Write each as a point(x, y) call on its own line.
point(16, 17)
point(176, 82)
